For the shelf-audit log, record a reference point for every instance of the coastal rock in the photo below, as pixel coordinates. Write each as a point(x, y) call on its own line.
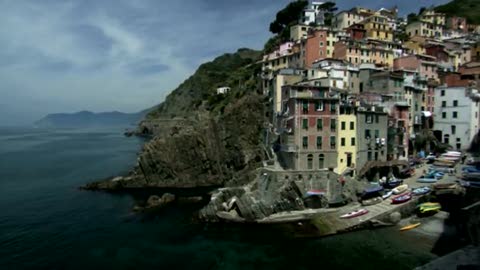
point(395, 217)
point(155, 201)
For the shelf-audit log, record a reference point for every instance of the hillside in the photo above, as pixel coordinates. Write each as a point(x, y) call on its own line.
point(469, 9)
point(226, 70)
point(85, 119)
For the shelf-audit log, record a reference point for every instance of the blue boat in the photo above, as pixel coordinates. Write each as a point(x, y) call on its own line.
point(427, 179)
point(421, 191)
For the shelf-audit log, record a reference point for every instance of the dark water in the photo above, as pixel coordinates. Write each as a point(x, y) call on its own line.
point(47, 223)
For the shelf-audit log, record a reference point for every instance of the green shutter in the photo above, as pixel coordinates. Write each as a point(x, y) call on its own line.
point(319, 124)
point(305, 142)
point(305, 123)
point(333, 124)
point(319, 142)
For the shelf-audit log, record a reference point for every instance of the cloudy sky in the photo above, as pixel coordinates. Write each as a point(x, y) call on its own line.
point(125, 55)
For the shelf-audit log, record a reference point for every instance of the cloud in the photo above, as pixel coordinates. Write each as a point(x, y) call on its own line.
point(125, 55)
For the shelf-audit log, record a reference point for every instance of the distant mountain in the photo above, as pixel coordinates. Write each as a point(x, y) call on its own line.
point(85, 119)
point(469, 9)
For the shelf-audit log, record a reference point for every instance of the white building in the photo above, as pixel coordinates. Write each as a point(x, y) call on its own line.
point(457, 112)
point(314, 14)
point(223, 90)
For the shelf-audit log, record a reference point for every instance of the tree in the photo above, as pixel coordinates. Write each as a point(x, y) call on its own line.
point(422, 9)
point(412, 17)
point(291, 13)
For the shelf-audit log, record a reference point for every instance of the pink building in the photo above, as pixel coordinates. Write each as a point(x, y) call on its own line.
point(425, 65)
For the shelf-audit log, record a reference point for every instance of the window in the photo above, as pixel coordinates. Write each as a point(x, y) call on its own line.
point(319, 106)
point(305, 107)
point(343, 125)
point(305, 142)
point(377, 133)
point(454, 129)
point(352, 125)
point(342, 142)
point(321, 43)
point(310, 161)
point(455, 115)
point(368, 119)
point(333, 124)
point(455, 103)
point(444, 115)
point(333, 107)
point(305, 124)
point(319, 124)
point(321, 161)
point(376, 155)
point(444, 104)
point(369, 156)
point(332, 142)
point(367, 134)
point(376, 118)
point(353, 142)
point(319, 142)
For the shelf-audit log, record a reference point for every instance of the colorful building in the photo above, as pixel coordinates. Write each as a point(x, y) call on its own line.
point(377, 27)
point(346, 139)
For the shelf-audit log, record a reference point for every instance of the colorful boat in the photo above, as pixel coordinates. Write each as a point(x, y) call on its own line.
point(316, 192)
point(429, 207)
point(409, 227)
point(400, 189)
point(431, 178)
point(359, 212)
point(421, 191)
point(402, 198)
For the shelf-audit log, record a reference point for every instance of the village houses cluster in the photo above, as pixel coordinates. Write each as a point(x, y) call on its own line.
point(353, 93)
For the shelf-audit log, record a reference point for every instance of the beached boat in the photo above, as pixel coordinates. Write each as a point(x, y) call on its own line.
point(387, 194)
point(400, 189)
point(359, 212)
point(438, 186)
point(372, 201)
point(409, 227)
point(429, 178)
point(429, 207)
point(402, 198)
point(421, 191)
point(393, 182)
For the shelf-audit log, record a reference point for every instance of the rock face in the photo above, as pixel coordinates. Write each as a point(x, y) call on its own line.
point(270, 193)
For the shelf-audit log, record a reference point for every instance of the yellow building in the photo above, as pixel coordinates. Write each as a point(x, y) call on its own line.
point(424, 29)
point(346, 139)
point(377, 27)
point(299, 31)
point(433, 17)
point(414, 46)
point(282, 78)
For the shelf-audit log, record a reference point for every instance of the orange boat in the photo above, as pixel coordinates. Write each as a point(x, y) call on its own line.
point(409, 227)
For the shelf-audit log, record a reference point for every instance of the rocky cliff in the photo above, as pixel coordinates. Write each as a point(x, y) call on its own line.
point(202, 139)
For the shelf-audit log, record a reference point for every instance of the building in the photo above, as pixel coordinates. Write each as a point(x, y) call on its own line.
point(357, 31)
point(424, 65)
point(314, 14)
point(284, 77)
point(309, 120)
point(346, 139)
point(362, 52)
point(372, 124)
point(314, 47)
point(457, 115)
point(398, 136)
point(283, 58)
point(378, 27)
point(223, 90)
point(457, 24)
point(299, 31)
point(344, 19)
point(433, 17)
point(424, 29)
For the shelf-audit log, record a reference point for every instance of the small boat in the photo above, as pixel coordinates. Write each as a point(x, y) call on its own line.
point(427, 179)
point(316, 192)
point(429, 207)
point(409, 227)
point(387, 194)
point(421, 191)
point(372, 201)
point(359, 212)
point(393, 183)
point(438, 186)
point(400, 189)
point(401, 198)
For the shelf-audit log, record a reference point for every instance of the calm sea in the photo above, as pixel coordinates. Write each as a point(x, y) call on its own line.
point(47, 223)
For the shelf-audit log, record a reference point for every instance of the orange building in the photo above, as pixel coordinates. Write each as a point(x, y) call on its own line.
point(314, 47)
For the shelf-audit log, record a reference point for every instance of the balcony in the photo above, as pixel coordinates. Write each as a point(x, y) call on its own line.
point(289, 148)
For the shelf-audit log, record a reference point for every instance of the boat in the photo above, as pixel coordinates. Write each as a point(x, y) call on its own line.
point(421, 191)
point(429, 207)
point(317, 192)
point(372, 201)
point(357, 213)
point(409, 227)
point(438, 186)
point(402, 198)
point(400, 189)
point(393, 182)
point(429, 178)
point(387, 194)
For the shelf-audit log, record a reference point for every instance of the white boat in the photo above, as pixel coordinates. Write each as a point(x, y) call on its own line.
point(387, 194)
point(400, 189)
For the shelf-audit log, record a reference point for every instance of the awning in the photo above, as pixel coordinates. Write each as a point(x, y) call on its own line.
point(427, 114)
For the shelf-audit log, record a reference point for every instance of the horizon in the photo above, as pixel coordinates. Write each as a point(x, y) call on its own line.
point(103, 56)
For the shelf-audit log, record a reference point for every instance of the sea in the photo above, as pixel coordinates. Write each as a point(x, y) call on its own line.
point(47, 222)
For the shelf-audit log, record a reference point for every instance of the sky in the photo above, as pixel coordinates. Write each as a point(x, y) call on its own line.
point(122, 55)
